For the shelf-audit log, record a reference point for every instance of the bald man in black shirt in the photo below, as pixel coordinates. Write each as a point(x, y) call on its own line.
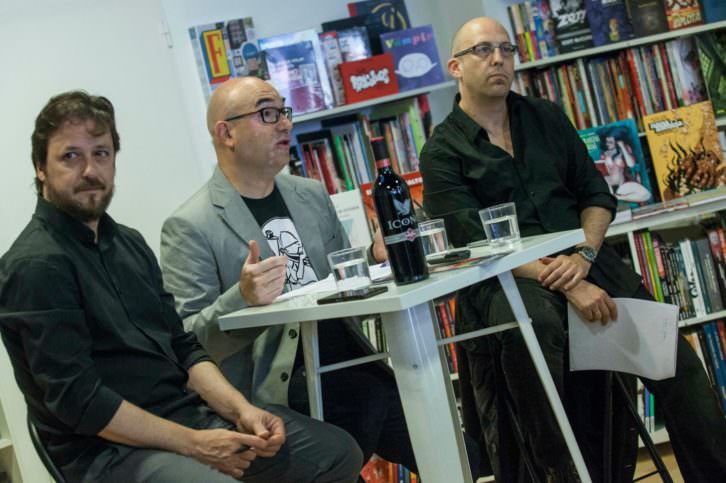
point(497, 146)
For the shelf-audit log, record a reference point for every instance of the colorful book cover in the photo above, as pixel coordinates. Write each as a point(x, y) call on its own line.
point(223, 50)
point(571, 27)
point(294, 73)
point(608, 20)
point(392, 14)
point(688, 67)
point(712, 54)
point(415, 57)
point(311, 36)
point(544, 27)
point(368, 78)
point(683, 13)
point(648, 17)
point(686, 154)
point(615, 148)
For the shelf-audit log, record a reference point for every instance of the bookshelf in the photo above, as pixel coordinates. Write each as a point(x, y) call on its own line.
point(674, 34)
point(350, 108)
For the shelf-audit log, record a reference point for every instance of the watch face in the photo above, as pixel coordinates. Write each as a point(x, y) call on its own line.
point(588, 253)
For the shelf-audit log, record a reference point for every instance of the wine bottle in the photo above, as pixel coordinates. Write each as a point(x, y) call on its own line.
point(397, 220)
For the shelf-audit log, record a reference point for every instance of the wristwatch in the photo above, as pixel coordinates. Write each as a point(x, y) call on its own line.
point(586, 252)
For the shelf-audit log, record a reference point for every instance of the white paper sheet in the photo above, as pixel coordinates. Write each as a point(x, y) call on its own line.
point(641, 341)
point(378, 273)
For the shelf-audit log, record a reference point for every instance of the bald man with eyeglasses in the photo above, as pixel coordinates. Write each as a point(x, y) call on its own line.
point(248, 235)
point(497, 146)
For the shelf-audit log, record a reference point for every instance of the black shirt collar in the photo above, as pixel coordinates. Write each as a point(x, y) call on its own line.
point(469, 126)
point(64, 223)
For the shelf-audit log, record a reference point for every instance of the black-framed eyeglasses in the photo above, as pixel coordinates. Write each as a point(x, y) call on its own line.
point(484, 49)
point(269, 115)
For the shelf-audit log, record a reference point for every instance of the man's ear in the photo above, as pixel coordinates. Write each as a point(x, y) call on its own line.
point(40, 173)
point(454, 68)
point(223, 134)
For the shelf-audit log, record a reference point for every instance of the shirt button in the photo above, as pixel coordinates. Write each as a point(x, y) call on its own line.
point(284, 376)
point(292, 333)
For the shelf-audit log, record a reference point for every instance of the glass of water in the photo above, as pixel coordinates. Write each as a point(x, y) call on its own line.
point(500, 224)
point(350, 269)
point(433, 236)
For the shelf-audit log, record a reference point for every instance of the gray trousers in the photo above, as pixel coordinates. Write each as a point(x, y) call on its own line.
point(313, 452)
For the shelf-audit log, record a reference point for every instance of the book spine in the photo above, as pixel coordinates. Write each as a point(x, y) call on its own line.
point(717, 361)
point(709, 275)
point(692, 277)
point(687, 288)
point(698, 264)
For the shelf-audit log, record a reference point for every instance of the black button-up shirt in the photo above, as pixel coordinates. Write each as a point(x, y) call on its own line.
point(551, 179)
point(87, 325)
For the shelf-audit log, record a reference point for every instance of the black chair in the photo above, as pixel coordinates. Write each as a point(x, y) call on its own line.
point(54, 471)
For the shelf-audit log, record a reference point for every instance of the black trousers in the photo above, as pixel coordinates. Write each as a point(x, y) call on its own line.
point(694, 421)
point(364, 401)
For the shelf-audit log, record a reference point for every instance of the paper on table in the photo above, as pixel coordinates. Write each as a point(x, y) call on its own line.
point(641, 341)
point(377, 272)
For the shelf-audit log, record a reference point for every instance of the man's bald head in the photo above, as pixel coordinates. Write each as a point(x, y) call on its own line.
point(231, 97)
point(474, 29)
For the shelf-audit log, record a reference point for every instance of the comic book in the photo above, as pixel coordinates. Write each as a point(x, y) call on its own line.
point(683, 13)
point(223, 50)
point(294, 73)
point(415, 57)
point(608, 20)
point(615, 148)
point(684, 146)
point(571, 27)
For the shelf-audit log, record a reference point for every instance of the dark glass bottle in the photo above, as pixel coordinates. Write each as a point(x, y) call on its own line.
point(397, 220)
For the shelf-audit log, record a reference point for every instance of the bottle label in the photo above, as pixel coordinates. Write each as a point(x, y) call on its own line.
point(408, 235)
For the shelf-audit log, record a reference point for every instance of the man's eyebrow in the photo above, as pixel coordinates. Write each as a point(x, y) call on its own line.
point(266, 100)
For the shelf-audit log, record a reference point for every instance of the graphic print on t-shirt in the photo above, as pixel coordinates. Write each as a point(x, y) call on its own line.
point(284, 240)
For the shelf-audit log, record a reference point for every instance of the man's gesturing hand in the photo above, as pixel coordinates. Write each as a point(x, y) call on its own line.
point(260, 282)
point(563, 272)
point(227, 451)
point(592, 302)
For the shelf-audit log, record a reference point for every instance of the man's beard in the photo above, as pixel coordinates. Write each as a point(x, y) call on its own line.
point(82, 212)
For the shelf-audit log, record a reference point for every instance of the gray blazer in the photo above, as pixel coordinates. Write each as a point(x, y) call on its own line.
point(203, 247)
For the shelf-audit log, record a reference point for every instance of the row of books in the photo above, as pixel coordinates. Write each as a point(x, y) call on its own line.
point(378, 470)
point(688, 273)
point(372, 53)
point(631, 83)
point(544, 28)
point(709, 342)
point(340, 155)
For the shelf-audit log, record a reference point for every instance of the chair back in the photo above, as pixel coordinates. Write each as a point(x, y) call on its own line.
point(54, 471)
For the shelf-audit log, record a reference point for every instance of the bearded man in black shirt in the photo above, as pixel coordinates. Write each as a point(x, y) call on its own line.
point(497, 146)
point(118, 390)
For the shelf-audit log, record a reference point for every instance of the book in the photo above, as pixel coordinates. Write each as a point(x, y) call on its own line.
point(415, 57)
point(354, 43)
point(713, 10)
point(311, 36)
point(333, 58)
point(647, 16)
point(616, 150)
point(223, 50)
point(352, 215)
point(682, 13)
point(380, 16)
point(712, 56)
point(608, 20)
point(368, 78)
point(571, 28)
point(684, 147)
point(293, 70)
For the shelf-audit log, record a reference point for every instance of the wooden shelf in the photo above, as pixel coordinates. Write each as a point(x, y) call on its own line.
point(348, 108)
point(620, 45)
point(698, 206)
point(702, 319)
point(5, 443)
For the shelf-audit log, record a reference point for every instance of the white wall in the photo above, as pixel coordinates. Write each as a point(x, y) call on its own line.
point(109, 47)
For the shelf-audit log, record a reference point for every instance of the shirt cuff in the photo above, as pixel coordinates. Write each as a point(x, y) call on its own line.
point(603, 200)
point(100, 410)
